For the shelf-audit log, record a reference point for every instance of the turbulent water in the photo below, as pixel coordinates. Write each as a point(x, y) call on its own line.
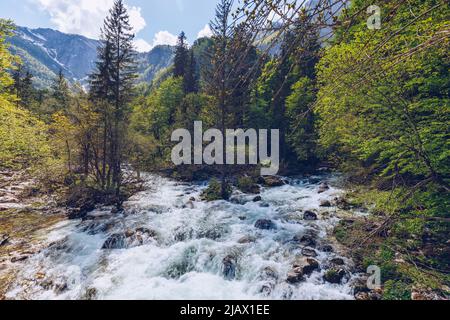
point(183, 249)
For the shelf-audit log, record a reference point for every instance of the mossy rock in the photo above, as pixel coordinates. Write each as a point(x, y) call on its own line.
point(214, 191)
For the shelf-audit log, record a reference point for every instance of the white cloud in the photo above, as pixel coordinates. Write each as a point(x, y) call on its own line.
point(164, 37)
point(142, 46)
point(205, 32)
point(85, 17)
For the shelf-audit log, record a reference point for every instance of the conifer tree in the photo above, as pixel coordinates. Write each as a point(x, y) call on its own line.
point(181, 56)
point(60, 92)
point(218, 80)
point(190, 79)
point(113, 83)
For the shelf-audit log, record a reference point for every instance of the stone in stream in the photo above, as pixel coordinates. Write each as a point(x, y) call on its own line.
point(327, 248)
point(271, 181)
point(337, 261)
point(116, 241)
point(4, 238)
point(309, 252)
point(189, 205)
point(265, 224)
point(246, 240)
point(310, 216)
point(334, 275)
point(305, 240)
point(229, 267)
point(270, 277)
point(323, 188)
point(128, 239)
point(257, 199)
point(301, 268)
point(325, 203)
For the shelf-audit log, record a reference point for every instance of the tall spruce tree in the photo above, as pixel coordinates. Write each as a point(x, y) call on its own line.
point(181, 56)
point(218, 81)
point(23, 87)
point(60, 92)
point(113, 83)
point(190, 79)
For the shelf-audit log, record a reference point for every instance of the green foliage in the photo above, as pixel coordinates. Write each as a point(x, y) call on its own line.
point(23, 138)
point(396, 290)
point(214, 191)
point(389, 112)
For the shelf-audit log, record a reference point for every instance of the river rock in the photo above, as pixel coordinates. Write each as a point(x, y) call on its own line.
point(3, 239)
point(310, 216)
point(189, 205)
point(272, 181)
point(342, 203)
point(325, 203)
point(334, 275)
point(323, 188)
point(270, 277)
point(309, 252)
point(305, 240)
point(19, 259)
point(302, 267)
point(116, 241)
point(295, 276)
point(128, 239)
point(257, 199)
point(246, 240)
point(265, 224)
point(337, 261)
point(229, 267)
point(239, 200)
point(307, 265)
point(327, 248)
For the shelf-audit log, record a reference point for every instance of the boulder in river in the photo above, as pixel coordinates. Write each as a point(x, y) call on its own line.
point(229, 267)
point(309, 252)
point(334, 275)
point(325, 203)
point(307, 265)
point(295, 276)
point(305, 240)
point(265, 224)
point(3, 239)
point(301, 268)
point(128, 239)
point(246, 239)
point(310, 216)
point(272, 181)
point(327, 248)
point(323, 188)
point(337, 261)
point(257, 199)
point(116, 241)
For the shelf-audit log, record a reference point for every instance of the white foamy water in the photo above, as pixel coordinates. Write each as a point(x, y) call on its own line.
point(185, 259)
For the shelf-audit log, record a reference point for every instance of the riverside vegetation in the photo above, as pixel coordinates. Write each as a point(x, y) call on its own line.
point(370, 104)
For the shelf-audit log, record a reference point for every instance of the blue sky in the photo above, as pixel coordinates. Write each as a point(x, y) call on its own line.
point(155, 21)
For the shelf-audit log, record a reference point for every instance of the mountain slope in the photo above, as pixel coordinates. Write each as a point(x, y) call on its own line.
point(45, 52)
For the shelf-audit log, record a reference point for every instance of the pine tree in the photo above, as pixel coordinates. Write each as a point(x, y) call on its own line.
point(181, 56)
point(60, 92)
point(219, 83)
point(114, 82)
point(23, 87)
point(190, 79)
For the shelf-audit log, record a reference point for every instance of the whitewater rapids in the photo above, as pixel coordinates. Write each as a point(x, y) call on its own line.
point(185, 257)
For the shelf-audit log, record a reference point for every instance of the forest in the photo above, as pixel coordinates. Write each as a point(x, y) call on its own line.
point(370, 104)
